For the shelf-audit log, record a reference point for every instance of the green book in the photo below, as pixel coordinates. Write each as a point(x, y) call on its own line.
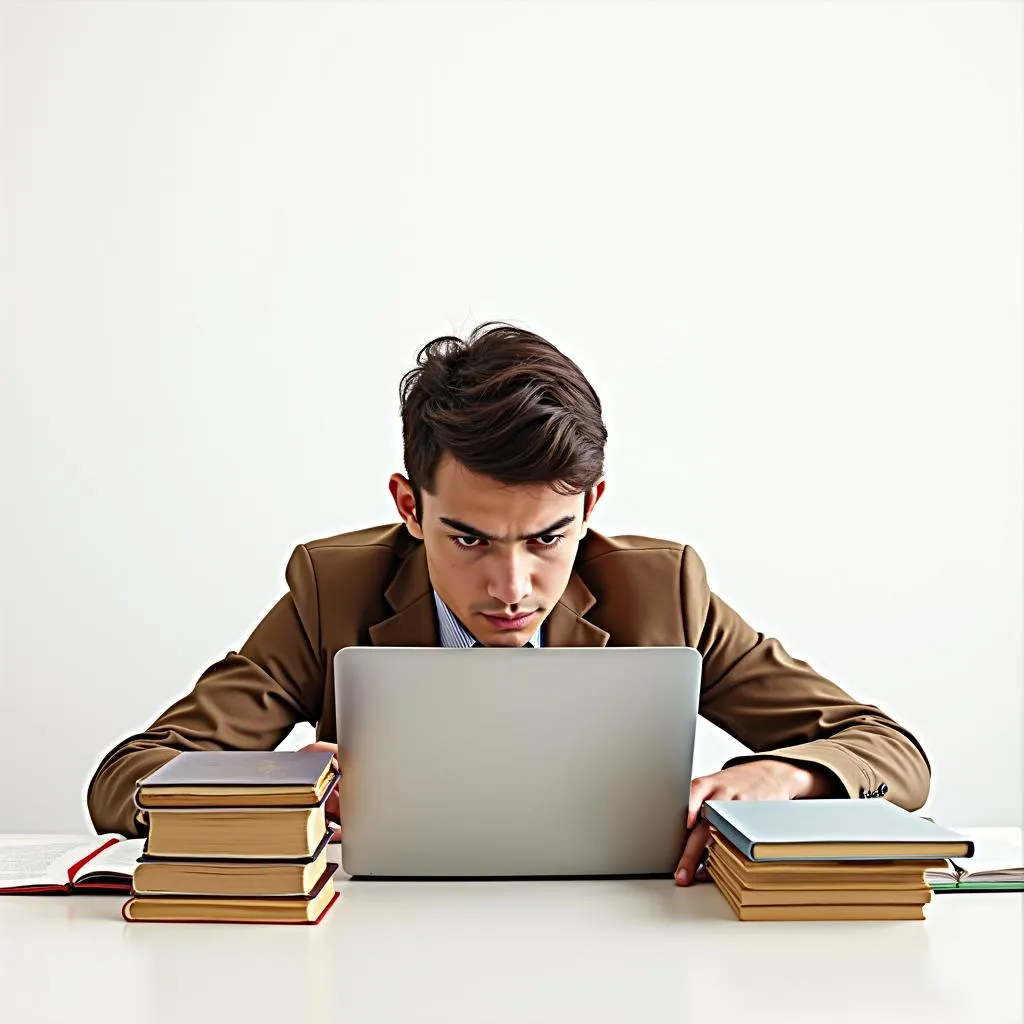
point(979, 887)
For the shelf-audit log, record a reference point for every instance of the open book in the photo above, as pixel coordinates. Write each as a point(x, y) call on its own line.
point(67, 863)
point(997, 864)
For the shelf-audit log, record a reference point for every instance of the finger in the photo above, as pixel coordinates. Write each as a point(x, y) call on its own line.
point(332, 809)
point(695, 844)
point(323, 745)
point(700, 790)
point(332, 812)
point(320, 745)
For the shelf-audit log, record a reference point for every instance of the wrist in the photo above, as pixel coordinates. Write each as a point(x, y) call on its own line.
point(800, 782)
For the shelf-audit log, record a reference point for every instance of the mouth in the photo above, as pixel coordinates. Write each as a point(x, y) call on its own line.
point(509, 622)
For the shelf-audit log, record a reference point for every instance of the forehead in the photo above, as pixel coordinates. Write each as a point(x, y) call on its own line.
point(484, 502)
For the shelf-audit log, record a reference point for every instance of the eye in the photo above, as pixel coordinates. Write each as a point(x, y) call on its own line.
point(550, 540)
point(466, 543)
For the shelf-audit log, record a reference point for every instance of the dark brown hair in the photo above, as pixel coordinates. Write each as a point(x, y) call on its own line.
point(506, 404)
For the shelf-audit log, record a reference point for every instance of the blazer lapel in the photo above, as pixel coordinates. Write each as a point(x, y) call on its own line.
point(410, 594)
point(414, 623)
point(566, 627)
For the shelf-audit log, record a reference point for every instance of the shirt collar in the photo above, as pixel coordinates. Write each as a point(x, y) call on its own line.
point(455, 634)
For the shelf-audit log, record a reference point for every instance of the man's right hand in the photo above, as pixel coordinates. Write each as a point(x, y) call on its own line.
point(332, 808)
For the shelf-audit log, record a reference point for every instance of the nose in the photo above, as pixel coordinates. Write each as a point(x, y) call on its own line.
point(510, 580)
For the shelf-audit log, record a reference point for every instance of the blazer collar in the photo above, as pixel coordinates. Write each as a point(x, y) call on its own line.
point(414, 623)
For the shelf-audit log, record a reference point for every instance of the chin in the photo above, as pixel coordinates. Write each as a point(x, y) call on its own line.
point(507, 640)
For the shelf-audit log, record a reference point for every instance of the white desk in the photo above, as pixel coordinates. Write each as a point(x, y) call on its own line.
point(512, 951)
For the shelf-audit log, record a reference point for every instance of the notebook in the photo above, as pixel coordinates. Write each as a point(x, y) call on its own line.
point(779, 830)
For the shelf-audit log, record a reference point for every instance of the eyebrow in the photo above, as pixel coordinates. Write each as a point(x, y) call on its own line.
point(472, 531)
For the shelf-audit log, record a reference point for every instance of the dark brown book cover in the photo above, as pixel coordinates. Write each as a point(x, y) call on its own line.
point(241, 768)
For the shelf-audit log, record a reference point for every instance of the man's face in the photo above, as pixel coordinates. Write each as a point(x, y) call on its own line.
point(499, 556)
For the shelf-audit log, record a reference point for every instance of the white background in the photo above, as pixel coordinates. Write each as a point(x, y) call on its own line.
point(783, 240)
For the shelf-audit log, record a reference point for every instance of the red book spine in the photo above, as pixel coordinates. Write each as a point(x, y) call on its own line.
point(75, 868)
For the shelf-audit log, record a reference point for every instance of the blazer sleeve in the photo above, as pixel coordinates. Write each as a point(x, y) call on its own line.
point(781, 708)
point(249, 700)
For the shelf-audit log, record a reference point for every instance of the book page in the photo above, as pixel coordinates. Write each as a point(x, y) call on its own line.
point(119, 859)
point(942, 876)
point(996, 850)
point(41, 859)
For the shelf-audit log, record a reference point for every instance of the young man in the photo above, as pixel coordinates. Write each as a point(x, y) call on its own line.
point(504, 451)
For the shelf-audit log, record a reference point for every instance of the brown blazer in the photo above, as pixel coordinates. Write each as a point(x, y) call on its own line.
point(372, 587)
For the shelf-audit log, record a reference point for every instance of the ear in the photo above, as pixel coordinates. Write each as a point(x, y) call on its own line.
point(405, 502)
point(592, 498)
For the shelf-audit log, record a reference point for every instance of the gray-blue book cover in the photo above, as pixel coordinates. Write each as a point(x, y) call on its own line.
point(765, 830)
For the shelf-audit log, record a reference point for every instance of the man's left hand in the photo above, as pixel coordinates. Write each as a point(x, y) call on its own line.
point(755, 780)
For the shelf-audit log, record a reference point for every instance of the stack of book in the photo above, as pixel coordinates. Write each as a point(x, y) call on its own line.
point(825, 860)
point(236, 836)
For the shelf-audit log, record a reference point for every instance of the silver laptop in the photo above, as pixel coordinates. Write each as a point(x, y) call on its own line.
point(498, 763)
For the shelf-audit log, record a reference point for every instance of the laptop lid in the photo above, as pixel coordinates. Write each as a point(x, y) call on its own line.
point(514, 762)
